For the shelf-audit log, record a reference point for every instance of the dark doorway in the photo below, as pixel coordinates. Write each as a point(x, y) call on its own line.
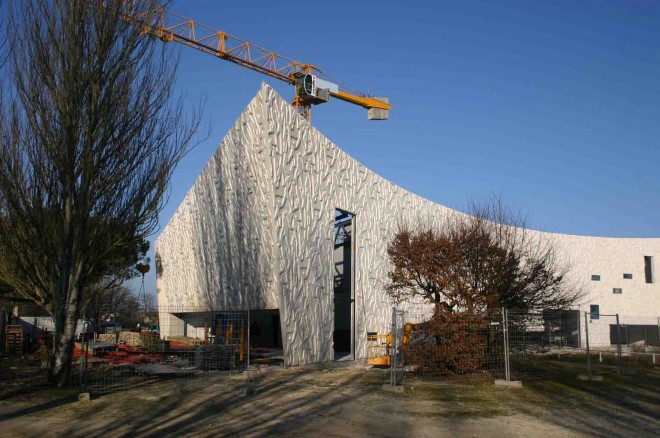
point(343, 259)
point(265, 329)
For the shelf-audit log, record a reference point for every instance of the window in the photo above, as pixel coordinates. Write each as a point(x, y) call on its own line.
point(648, 268)
point(627, 276)
point(595, 277)
point(595, 311)
point(617, 290)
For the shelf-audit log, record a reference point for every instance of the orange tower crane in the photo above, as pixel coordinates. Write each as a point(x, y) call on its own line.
point(312, 85)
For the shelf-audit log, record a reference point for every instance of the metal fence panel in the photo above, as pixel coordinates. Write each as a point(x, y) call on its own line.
point(183, 344)
point(171, 343)
point(537, 338)
point(513, 344)
point(444, 344)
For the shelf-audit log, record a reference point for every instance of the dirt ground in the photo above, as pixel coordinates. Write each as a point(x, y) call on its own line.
point(345, 402)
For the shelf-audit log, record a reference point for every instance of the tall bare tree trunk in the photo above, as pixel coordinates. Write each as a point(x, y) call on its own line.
point(89, 138)
point(64, 339)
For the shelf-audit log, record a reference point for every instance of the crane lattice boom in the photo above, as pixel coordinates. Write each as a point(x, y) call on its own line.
point(310, 88)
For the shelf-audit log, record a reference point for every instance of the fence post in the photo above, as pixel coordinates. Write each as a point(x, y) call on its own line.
point(393, 350)
point(579, 325)
point(80, 363)
point(86, 355)
point(248, 348)
point(561, 331)
point(403, 345)
point(618, 349)
point(84, 352)
point(505, 335)
point(586, 334)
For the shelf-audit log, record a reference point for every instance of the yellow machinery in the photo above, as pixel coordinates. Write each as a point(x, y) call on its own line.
point(311, 88)
point(378, 352)
point(380, 347)
point(229, 338)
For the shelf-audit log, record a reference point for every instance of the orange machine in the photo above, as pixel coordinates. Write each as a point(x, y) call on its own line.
point(379, 350)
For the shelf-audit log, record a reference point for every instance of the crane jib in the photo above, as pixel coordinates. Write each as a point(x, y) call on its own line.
point(312, 90)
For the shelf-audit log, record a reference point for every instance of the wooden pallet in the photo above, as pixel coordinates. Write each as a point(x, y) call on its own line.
point(14, 339)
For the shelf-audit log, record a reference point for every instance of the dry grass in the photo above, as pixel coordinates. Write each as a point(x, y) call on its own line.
point(349, 402)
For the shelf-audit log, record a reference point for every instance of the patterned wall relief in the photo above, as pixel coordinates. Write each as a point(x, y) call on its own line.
point(256, 231)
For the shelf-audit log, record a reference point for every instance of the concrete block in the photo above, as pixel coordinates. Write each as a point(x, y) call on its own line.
point(508, 383)
point(592, 378)
point(628, 371)
point(249, 390)
point(390, 388)
point(84, 397)
point(377, 114)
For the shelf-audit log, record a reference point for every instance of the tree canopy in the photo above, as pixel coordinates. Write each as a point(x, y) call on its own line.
point(477, 261)
point(89, 137)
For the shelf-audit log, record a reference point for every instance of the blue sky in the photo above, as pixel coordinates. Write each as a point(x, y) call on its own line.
point(553, 105)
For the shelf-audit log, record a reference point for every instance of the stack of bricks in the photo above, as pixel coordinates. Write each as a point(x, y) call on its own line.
point(149, 341)
point(143, 340)
point(107, 337)
point(131, 339)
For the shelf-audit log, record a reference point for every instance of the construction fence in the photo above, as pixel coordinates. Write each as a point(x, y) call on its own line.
point(171, 343)
point(192, 343)
point(515, 345)
point(25, 362)
point(184, 344)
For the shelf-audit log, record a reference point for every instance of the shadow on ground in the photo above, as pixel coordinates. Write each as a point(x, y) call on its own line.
point(351, 401)
point(618, 406)
point(202, 407)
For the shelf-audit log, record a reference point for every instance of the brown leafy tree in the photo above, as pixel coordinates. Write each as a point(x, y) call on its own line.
point(455, 342)
point(482, 260)
point(469, 267)
point(89, 136)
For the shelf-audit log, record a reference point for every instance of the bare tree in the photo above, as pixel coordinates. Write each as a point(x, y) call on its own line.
point(3, 40)
point(89, 138)
point(110, 301)
point(478, 261)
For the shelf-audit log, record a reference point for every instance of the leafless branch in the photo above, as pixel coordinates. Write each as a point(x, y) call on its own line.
point(90, 135)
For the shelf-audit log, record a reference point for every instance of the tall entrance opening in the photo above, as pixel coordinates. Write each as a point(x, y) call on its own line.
point(344, 302)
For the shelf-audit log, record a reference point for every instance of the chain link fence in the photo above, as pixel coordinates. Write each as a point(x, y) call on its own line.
point(180, 343)
point(536, 339)
point(169, 343)
point(192, 343)
point(446, 344)
point(25, 345)
point(614, 343)
point(516, 345)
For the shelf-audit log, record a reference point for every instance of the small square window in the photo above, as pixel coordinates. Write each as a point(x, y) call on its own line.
point(595, 311)
point(627, 276)
point(617, 290)
point(595, 277)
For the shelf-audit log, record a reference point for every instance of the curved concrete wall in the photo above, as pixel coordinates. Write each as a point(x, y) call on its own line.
point(256, 232)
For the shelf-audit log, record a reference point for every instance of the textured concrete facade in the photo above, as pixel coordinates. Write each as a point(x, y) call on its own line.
point(256, 232)
point(611, 258)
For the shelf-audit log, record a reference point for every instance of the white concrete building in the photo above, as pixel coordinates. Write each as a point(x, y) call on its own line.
point(258, 231)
